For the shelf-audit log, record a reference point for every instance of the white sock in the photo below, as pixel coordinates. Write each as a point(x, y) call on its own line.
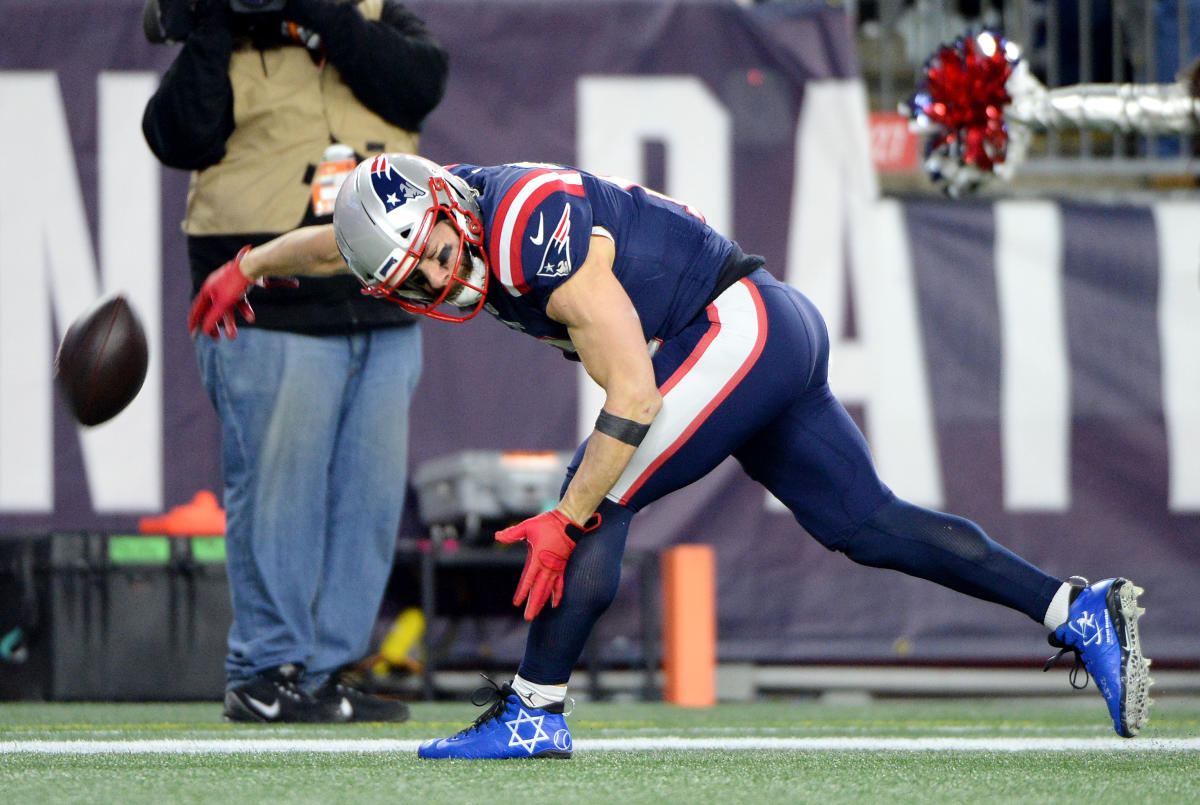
point(1059, 609)
point(539, 696)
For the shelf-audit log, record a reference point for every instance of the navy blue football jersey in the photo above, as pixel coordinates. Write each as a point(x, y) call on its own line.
point(538, 221)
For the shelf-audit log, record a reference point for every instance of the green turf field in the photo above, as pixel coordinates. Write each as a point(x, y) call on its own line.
point(996, 750)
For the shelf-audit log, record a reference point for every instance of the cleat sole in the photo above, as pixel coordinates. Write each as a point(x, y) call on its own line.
point(1135, 668)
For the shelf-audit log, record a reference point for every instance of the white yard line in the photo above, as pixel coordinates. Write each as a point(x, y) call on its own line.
point(675, 743)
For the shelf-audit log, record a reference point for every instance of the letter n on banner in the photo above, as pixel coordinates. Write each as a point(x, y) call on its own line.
point(50, 276)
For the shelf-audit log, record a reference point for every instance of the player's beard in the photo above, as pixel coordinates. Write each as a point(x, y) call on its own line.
point(475, 271)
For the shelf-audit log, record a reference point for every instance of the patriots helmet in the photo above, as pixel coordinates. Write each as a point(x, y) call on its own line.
point(382, 219)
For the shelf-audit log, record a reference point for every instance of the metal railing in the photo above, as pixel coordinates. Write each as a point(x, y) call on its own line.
point(1066, 42)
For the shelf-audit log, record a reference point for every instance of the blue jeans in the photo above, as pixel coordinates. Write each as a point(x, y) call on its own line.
point(314, 433)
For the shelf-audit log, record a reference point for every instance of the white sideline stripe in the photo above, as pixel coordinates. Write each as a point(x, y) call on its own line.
point(369, 746)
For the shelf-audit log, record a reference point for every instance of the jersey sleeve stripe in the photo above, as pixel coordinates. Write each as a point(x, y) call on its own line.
point(512, 216)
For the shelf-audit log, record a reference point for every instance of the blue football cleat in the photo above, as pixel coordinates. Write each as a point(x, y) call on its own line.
point(507, 729)
point(1102, 631)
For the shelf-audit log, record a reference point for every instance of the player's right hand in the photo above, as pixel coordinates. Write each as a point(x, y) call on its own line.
point(221, 294)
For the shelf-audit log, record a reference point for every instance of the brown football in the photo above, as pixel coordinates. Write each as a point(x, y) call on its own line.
point(101, 362)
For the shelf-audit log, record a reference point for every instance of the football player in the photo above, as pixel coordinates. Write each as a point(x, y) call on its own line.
point(702, 354)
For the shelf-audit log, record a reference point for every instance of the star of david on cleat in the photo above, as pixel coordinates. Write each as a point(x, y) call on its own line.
point(539, 734)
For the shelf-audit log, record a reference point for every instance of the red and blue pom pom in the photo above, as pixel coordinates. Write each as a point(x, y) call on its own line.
point(960, 103)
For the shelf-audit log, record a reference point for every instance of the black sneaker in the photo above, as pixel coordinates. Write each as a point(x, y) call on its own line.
point(352, 704)
point(273, 696)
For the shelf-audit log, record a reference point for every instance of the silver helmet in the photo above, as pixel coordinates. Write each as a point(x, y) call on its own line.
point(382, 219)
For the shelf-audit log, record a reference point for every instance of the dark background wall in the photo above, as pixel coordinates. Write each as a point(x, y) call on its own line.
point(514, 96)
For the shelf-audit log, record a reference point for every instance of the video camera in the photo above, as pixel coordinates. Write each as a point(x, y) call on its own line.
point(172, 20)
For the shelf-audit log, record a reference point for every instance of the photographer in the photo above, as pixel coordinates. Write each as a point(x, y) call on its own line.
point(269, 105)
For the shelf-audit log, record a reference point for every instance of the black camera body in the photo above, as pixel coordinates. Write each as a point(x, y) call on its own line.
point(172, 20)
point(256, 6)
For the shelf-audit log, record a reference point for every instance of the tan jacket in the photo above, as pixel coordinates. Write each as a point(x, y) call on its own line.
point(286, 111)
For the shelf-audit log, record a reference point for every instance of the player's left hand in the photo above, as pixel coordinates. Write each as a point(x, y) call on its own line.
point(551, 536)
point(221, 294)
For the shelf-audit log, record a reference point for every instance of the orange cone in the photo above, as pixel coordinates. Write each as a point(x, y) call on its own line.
point(690, 625)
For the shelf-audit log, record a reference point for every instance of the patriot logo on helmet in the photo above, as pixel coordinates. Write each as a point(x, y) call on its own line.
point(390, 185)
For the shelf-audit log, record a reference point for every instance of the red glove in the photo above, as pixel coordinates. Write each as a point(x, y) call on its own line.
point(551, 537)
point(223, 292)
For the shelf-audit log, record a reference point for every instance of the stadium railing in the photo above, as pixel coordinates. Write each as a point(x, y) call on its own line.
point(1066, 42)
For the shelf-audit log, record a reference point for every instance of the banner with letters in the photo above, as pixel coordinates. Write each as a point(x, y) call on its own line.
point(1029, 364)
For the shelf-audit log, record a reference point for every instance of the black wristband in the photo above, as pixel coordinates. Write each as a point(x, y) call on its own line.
point(576, 531)
point(620, 428)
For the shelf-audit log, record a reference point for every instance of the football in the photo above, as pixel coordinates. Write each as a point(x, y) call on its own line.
point(101, 363)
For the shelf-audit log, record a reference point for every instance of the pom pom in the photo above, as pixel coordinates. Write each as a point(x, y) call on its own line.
point(960, 104)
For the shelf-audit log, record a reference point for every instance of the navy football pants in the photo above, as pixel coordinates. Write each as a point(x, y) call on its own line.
point(749, 379)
